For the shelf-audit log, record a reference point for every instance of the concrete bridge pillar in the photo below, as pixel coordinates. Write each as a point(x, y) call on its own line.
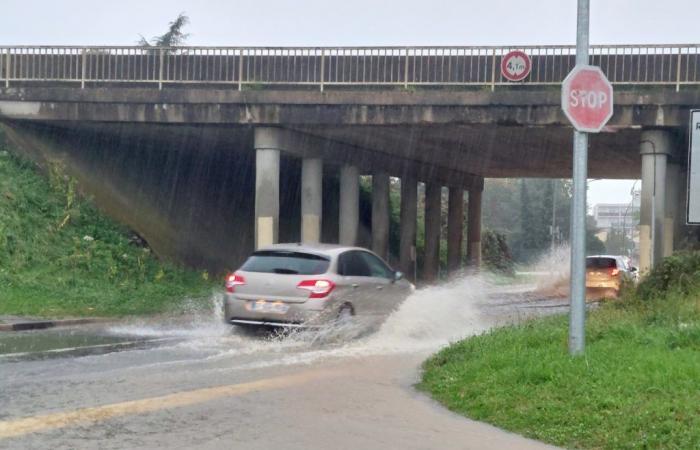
point(673, 177)
point(409, 217)
point(681, 230)
point(311, 199)
point(380, 214)
point(474, 225)
point(349, 204)
point(267, 184)
point(655, 146)
point(431, 259)
point(455, 229)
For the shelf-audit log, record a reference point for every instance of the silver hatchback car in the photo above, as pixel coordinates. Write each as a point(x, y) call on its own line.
point(296, 285)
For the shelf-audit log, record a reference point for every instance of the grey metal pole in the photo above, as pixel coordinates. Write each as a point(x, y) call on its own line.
point(577, 315)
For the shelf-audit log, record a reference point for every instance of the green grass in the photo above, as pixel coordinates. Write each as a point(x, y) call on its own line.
point(60, 257)
point(638, 385)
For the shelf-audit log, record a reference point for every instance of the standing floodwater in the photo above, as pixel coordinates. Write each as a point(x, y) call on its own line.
point(427, 320)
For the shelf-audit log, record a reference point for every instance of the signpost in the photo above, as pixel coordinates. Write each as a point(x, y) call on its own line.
point(694, 169)
point(515, 65)
point(587, 102)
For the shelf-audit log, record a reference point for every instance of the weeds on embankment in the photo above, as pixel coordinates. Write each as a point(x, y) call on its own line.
point(59, 256)
point(638, 385)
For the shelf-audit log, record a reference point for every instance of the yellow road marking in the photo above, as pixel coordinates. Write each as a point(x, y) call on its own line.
point(18, 427)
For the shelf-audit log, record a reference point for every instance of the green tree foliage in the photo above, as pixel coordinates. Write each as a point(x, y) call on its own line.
point(173, 37)
point(495, 253)
point(524, 210)
point(618, 243)
point(594, 246)
point(521, 210)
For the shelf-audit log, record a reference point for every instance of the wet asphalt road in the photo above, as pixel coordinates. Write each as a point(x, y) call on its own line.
point(194, 382)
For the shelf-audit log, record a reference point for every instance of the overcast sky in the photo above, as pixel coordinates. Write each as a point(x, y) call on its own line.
point(356, 22)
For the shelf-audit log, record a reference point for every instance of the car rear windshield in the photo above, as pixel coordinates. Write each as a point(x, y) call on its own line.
point(286, 263)
point(601, 263)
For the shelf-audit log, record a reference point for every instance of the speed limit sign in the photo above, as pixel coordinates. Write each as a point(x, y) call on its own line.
point(515, 65)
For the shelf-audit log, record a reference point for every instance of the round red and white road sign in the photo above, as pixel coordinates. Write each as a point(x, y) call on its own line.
point(587, 98)
point(515, 65)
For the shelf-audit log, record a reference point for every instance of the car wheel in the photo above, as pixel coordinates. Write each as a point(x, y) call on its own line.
point(345, 314)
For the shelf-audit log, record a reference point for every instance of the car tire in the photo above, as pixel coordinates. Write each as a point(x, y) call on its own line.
point(345, 315)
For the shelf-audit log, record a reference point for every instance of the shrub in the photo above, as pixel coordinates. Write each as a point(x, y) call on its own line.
point(496, 255)
point(680, 272)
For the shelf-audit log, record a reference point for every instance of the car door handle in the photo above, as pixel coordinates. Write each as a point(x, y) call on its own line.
point(379, 288)
point(355, 285)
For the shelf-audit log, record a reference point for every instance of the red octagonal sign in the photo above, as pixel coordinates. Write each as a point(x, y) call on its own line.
point(587, 98)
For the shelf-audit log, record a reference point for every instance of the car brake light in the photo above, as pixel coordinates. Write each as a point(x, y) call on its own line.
point(318, 288)
point(232, 281)
point(614, 272)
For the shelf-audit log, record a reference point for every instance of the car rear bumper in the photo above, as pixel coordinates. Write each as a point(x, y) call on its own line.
point(266, 323)
point(236, 311)
point(602, 285)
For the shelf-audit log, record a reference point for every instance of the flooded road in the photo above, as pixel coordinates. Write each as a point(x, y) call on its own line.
point(194, 381)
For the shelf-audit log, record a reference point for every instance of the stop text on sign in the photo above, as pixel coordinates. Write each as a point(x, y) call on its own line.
point(587, 98)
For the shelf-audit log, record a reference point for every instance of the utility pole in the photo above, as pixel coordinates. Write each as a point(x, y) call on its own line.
point(577, 316)
point(554, 230)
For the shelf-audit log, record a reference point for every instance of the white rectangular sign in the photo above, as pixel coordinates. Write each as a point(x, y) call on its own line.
point(694, 169)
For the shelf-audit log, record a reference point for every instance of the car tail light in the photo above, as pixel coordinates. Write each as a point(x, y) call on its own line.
point(318, 288)
point(233, 280)
point(614, 272)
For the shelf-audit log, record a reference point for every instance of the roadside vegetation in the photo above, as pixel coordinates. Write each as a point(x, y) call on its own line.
point(638, 385)
point(60, 257)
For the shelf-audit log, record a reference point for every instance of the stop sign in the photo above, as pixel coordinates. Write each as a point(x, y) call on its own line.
point(587, 98)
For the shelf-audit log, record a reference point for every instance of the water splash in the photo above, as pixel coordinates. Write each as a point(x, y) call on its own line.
point(552, 270)
point(435, 316)
point(427, 320)
point(195, 320)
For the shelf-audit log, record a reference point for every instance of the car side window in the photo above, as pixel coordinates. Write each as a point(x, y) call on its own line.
point(351, 264)
point(377, 267)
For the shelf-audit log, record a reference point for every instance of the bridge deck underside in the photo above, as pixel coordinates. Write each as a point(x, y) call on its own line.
point(495, 151)
point(488, 151)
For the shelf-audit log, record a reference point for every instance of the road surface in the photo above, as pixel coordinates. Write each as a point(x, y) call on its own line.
point(193, 382)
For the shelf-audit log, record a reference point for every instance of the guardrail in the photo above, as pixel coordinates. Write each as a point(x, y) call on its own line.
point(673, 65)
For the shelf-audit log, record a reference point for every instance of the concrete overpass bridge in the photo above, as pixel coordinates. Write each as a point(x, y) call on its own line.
point(254, 145)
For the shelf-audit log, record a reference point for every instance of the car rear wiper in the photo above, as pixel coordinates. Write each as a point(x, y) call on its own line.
point(285, 271)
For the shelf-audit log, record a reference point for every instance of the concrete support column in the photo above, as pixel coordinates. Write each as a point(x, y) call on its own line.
point(409, 217)
point(349, 205)
point(681, 230)
point(431, 259)
point(474, 227)
point(380, 214)
point(455, 229)
point(673, 177)
point(655, 146)
point(311, 199)
point(267, 203)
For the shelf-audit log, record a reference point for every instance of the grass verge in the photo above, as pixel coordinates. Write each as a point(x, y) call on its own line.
point(638, 385)
point(61, 257)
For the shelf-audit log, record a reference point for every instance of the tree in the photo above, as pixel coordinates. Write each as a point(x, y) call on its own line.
point(496, 254)
point(618, 243)
point(594, 246)
point(524, 211)
point(173, 37)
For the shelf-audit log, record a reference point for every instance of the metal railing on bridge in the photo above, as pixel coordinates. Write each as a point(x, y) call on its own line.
point(319, 67)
